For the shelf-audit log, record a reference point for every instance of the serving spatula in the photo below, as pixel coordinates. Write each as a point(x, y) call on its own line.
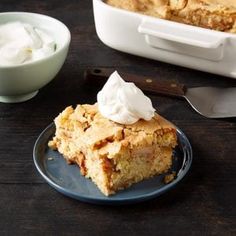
point(210, 102)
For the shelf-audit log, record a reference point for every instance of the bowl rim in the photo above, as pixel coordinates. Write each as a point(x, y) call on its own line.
point(38, 15)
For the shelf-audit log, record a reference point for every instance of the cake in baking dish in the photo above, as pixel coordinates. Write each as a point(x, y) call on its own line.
point(113, 155)
point(212, 14)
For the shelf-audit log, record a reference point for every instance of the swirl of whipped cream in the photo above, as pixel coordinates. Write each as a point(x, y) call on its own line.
point(123, 102)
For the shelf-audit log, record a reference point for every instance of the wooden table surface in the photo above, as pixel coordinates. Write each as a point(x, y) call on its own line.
point(203, 204)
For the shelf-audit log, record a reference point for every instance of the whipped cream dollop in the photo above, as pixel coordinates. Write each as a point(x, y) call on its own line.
point(21, 43)
point(123, 102)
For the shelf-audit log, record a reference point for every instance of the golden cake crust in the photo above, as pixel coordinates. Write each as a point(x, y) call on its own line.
point(212, 14)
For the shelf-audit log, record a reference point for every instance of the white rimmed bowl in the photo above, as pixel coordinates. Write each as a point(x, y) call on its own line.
point(19, 83)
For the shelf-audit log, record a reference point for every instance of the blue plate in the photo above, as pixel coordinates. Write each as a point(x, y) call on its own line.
point(67, 178)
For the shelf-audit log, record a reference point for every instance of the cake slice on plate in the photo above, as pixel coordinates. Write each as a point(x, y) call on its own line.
point(112, 154)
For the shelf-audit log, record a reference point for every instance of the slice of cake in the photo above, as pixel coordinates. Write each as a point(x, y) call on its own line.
point(118, 141)
point(113, 155)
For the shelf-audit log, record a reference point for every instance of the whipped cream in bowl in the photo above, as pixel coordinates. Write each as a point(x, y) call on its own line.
point(33, 48)
point(123, 102)
point(22, 42)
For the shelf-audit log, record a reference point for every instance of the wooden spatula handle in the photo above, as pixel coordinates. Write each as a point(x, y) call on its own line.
point(165, 87)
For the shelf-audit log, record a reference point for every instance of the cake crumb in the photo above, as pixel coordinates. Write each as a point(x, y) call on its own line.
point(169, 177)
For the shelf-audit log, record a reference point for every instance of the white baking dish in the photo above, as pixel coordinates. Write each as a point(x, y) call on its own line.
point(167, 41)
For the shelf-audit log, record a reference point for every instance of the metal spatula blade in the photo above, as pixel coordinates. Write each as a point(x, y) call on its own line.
point(213, 102)
point(208, 101)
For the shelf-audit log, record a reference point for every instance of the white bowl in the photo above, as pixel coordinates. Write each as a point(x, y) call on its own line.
point(19, 83)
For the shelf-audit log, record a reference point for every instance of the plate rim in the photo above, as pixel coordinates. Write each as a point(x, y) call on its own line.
point(106, 199)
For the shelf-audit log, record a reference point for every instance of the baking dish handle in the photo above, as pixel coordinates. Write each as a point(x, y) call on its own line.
point(180, 33)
